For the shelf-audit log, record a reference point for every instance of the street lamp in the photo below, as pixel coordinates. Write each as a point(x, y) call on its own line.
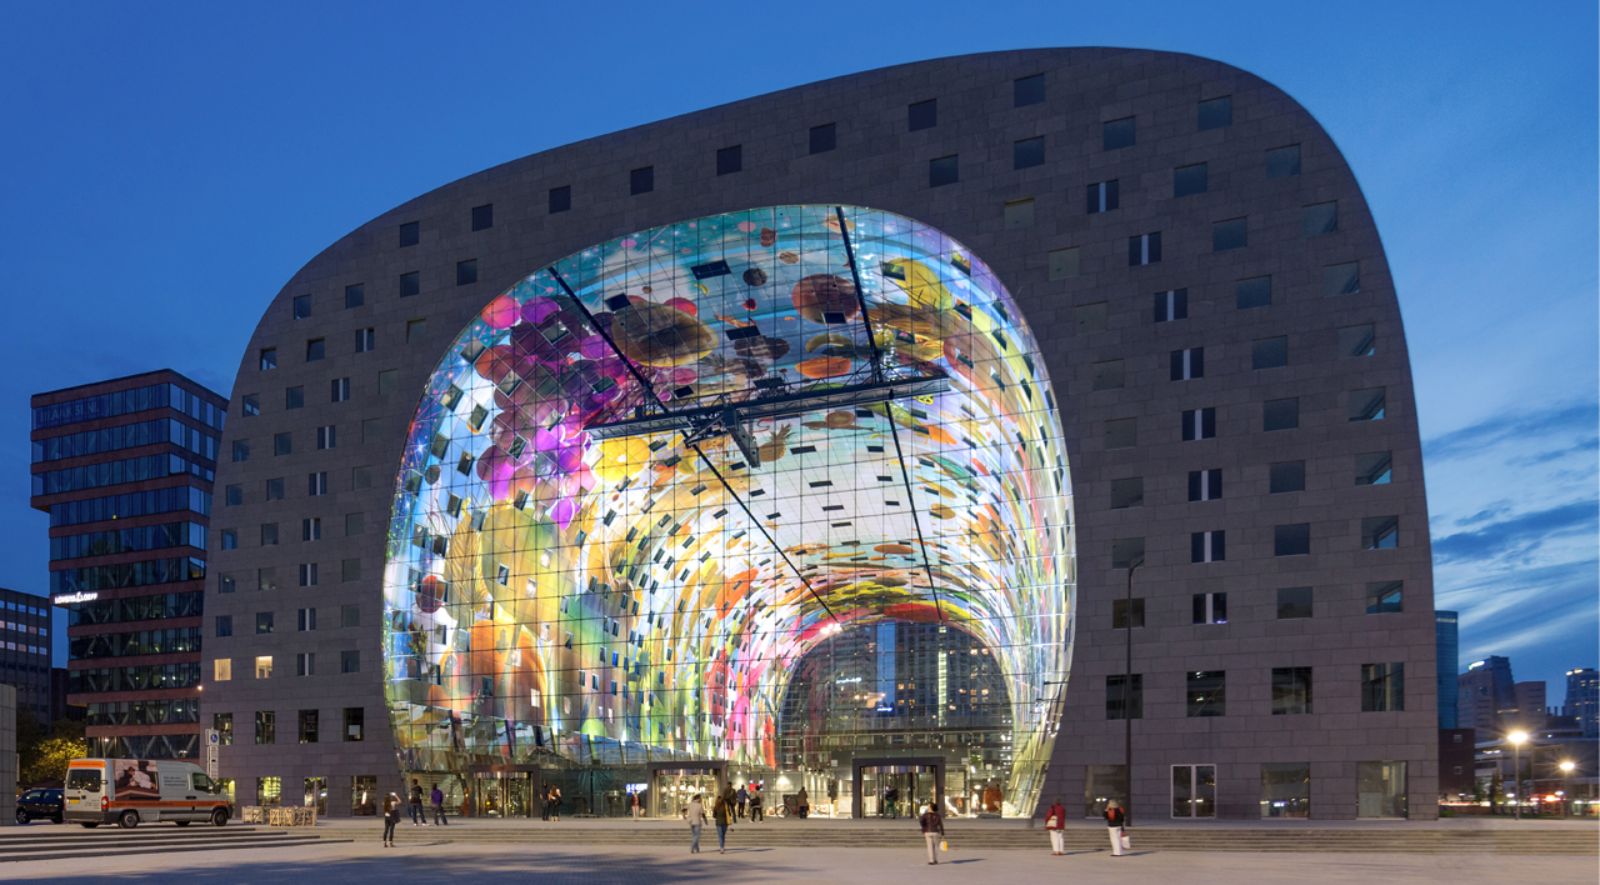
point(1127, 691)
point(1517, 739)
point(1566, 766)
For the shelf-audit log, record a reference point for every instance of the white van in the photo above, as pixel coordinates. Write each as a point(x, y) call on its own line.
point(131, 791)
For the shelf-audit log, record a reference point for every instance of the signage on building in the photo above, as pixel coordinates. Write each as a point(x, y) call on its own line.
point(74, 598)
point(213, 761)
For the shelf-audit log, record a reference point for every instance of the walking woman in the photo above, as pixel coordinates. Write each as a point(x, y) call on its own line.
point(1114, 820)
point(697, 821)
point(932, 831)
point(391, 817)
point(722, 812)
point(1055, 821)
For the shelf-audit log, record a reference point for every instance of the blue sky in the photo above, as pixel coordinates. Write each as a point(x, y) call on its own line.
point(168, 166)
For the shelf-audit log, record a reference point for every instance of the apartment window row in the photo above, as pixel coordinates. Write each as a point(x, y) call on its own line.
point(266, 577)
point(1366, 404)
point(1206, 692)
point(276, 488)
point(1290, 539)
point(1369, 468)
point(308, 729)
point(305, 663)
point(1292, 603)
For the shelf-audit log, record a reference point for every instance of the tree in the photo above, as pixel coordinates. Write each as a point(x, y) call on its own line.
point(42, 757)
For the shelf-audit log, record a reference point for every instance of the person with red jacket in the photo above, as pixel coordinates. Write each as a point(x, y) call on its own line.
point(1055, 821)
point(1115, 817)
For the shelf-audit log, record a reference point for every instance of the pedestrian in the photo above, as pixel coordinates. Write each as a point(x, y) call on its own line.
point(417, 817)
point(891, 802)
point(696, 815)
point(722, 814)
point(1114, 821)
point(802, 804)
point(436, 798)
point(755, 805)
point(744, 800)
point(932, 831)
point(633, 804)
point(1055, 821)
point(391, 817)
point(555, 803)
point(544, 803)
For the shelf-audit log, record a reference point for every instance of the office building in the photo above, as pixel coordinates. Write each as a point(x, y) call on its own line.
point(1485, 692)
point(25, 652)
point(1448, 639)
point(1583, 699)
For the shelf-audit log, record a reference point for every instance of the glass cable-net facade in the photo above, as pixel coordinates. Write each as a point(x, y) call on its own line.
point(646, 481)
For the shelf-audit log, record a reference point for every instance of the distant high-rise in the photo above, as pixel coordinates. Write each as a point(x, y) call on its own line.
point(1447, 640)
point(25, 652)
point(1530, 703)
point(1583, 699)
point(1483, 692)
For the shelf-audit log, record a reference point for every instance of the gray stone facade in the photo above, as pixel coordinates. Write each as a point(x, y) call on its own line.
point(1090, 308)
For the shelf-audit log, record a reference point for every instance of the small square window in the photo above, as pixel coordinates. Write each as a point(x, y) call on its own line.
point(483, 216)
point(350, 661)
point(642, 180)
point(823, 138)
point(467, 272)
point(1374, 469)
point(1357, 341)
point(1127, 552)
point(410, 284)
point(1063, 263)
point(1171, 305)
point(1280, 414)
point(222, 668)
point(1090, 317)
point(1370, 404)
point(388, 381)
point(1144, 249)
point(1284, 161)
point(1252, 293)
point(233, 495)
point(1233, 233)
point(415, 329)
point(1187, 364)
point(1207, 693)
point(263, 622)
point(226, 583)
point(339, 390)
point(1122, 433)
point(730, 159)
point(1120, 609)
point(1341, 279)
point(308, 574)
point(349, 616)
point(1116, 134)
point(944, 170)
point(1126, 493)
point(1321, 218)
point(560, 198)
point(1380, 533)
point(241, 450)
point(230, 539)
point(366, 339)
point(250, 404)
point(1027, 90)
point(410, 234)
point(1205, 485)
point(350, 570)
point(1019, 213)
point(316, 349)
point(269, 534)
point(224, 625)
point(283, 443)
point(302, 306)
point(354, 524)
point(355, 295)
point(275, 489)
point(1292, 540)
point(294, 397)
point(1189, 180)
point(1291, 691)
point(1293, 603)
point(1209, 608)
point(1270, 353)
point(269, 358)
point(1027, 153)
point(1211, 546)
point(1107, 375)
point(922, 115)
point(1385, 597)
point(1102, 196)
point(1286, 476)
point(1215, 113)
point(1199, 424)
point(1383, 688)
point(1124, 700)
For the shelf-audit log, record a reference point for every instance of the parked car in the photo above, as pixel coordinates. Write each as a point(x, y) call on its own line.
point(40, 805)
point(128, 792)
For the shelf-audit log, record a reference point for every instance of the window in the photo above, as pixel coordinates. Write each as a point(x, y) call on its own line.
point(283, 443)
point(269, 534)
point(305, 619)
point(1122, 433)
point(1293, 603)
point(730, 159)
point(354, 524)
point(1027, 153)
point(1381, 789)
point(1286, 476)
point(224, 625)
point(267, 578)
point(1064, 263)
point(1284, 161)
point(1125, 696)
point(1199, 424)
point(1019, 213)
point(1286, 789)
point(1270, 353)
point(349, 616)
point(1103, 196)
point(264, 666)
point(1127, 492)
point(1188, 364)
point(1233, 233)
point(355, 295)
point(944, 170)
point(415, 330)
point(308, 726)
point(268, 358)
point(410, 234)
point(1280, 414)
point(327, 436)
point(305, 664)
point(350, 570)
point(1210, 608)
point(560, 198)
point(1385, 597)
point(354, 723)
point(1101, 784)
point(1027, 90)
point(269, 789)
point(1189, 180)
point(1127, 552)
point(230, 539)
point(1357, 341)
point(1090, 317)
point(1215, 113)
point(1115, 134)
point(311, 528)
point(1107, 375)
point(1291, 691)
point(1341, 279)
point(294, 397)
point(1144, 249)
point(1383, 688)
point(1171, 305)
point(302, 306)
point(317, 483)
point(266, 726)
point(1205, 485)
point(467, 272)
point(222, 724)
point(1369, 404)
point(1211, 546)
point(1255, 292)
point(1320, 218)
point(316, 349)
point(350, 661)
point(922, 115)
point(361, 477)
point(410, 284)
point(339, 390)
point(233, 495)
point(241, 450)
point(226, 583)
point(263, 622)
point(275, 489)
point(823, 138)
point(483, 216)
point(1119, 613)
point(1374, 469)
point(250, 405)
point(366, 339)
point(1380, 533)
point(308, 574)
point(222, 669)
point(1207, 693)
point(1292, 540)
point(642, 180)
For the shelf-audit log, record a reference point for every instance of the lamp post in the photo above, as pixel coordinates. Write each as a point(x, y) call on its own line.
point(1127, 690)
point(1566, 766)
point(1517, 739)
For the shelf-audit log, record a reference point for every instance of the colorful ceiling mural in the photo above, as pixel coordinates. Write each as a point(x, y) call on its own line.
point(578, 571)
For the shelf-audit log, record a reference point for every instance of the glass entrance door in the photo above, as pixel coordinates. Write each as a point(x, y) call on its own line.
point(503, 794)
point(1194, 791)
point(672, 788)
point(897, 791)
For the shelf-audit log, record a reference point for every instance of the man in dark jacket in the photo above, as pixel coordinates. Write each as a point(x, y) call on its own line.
point(417, 817)
point(932, 831)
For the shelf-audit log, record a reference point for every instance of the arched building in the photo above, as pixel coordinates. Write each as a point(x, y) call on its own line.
point(847, 438)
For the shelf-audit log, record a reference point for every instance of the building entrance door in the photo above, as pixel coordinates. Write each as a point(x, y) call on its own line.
point(509, 793)
point(1194, 791)
point(673, 784)
point(896, 787)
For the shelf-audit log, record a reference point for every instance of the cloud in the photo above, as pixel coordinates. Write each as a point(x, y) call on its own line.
point(1516, 536)
point(1520, 427)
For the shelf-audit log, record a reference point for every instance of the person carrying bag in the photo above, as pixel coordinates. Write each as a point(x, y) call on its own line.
point(1115, 819)
point(1055, 822)
point(933, 832)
